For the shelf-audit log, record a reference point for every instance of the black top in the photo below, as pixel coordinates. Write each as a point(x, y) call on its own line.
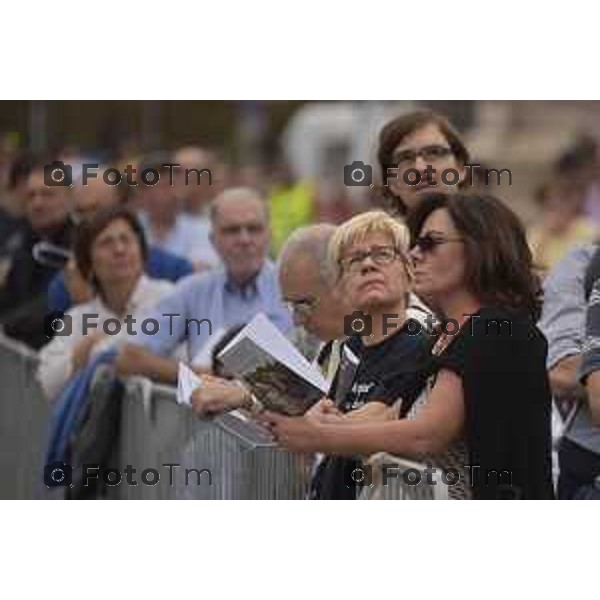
point(12, 230)
point(23, 302)
point(500, 355)
point(395, 368)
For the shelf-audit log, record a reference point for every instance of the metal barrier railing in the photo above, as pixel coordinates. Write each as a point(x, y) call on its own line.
point(401, 485)
point(24, 416)
point(155, 431)
point(240, 458)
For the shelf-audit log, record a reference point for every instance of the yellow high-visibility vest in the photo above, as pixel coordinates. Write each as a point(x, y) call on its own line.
point(291, 207)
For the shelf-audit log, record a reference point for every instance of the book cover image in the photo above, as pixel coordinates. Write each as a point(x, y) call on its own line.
point(276, 386)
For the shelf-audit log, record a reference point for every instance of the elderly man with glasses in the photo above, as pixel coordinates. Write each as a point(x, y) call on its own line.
point(216, 300)
point(317, 306)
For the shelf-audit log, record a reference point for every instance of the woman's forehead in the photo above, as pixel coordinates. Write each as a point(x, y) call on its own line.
point(115, 227)
point(373, 238)
point(429, 133)
point(438, 220)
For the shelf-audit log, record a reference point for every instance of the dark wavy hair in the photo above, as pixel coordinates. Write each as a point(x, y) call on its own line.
point(400, 127)
point(88, 230)
point(499, 264)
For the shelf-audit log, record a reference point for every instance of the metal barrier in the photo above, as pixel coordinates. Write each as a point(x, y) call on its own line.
point(399, 487)
point(227, 457)
point(231, 452)
point(23, 423)
point(155, 432)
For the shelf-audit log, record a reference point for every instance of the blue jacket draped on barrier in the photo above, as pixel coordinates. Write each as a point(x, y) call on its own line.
point(70, 407)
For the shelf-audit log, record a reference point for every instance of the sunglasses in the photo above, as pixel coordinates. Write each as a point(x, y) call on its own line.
point(428, 242)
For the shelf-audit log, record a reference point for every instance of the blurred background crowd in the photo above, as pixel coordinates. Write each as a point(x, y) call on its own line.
point(294, 152)
point(258, 172)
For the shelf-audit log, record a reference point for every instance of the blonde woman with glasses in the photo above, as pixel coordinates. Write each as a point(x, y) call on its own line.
point(382, 368)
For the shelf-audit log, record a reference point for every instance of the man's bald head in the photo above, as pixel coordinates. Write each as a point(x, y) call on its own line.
point(232, 198)
point(240, 231)
point(307, 283)
point(310, 245)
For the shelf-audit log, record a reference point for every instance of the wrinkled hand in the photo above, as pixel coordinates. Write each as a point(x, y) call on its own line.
point(217, 396)
point(201, 371)
point(201, 265)
point(324, 411)
point(84, 347)
point(79, 289)
point(299, 434)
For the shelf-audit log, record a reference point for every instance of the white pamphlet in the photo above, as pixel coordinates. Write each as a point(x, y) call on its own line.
point(187, 382)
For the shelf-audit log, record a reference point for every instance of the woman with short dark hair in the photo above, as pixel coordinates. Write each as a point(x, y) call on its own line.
point(487, 413)
point(495, 256)
point(110, 250)
point(89, 230)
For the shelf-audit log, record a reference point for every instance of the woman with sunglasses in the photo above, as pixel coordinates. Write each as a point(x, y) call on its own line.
point(488, 403)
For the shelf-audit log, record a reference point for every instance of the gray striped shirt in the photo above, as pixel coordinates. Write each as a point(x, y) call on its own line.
point(564, 325)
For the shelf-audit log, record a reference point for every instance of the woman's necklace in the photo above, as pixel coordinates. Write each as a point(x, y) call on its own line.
point(445, 338)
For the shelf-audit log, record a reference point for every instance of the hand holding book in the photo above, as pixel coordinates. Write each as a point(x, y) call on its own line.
point(272, 369)
point(324, 411)
point(217, 396)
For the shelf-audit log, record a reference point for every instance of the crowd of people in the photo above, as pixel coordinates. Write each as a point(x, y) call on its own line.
point(202, 260)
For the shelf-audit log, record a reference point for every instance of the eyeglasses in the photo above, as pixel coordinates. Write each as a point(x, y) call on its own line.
point(233, 230)
point(429, 154)
point(381, 256)
point(303, 307)
point(428, 242)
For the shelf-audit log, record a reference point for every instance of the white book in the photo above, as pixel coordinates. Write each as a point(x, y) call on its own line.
point(273, 368)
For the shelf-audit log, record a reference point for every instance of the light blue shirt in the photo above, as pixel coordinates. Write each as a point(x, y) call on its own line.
point(211, 295)
point(189, 238)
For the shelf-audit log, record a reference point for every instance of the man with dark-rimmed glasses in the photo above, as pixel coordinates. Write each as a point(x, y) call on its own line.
point(420, 153)
point(314, 301)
